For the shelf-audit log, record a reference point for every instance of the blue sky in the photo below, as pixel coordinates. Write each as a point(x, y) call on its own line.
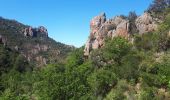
point(67, 21)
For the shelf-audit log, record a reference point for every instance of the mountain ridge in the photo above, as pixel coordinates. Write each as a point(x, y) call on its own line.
point(32, 43)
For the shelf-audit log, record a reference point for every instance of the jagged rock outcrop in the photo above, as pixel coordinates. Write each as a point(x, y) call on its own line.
point(42, 29)
point(122, 27)
point(33, 32)
point(102, 28)
point(39, 48)
point(32, 43)
point(28, 32)
point(145, 23)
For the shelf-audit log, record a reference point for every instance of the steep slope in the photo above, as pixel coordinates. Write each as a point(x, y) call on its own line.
point(33, 43)
point(12, 60)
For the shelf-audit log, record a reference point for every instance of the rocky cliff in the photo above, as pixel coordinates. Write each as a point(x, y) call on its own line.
point(101, 28)
point(145, 23)
point(34, 32)
point(33, 43)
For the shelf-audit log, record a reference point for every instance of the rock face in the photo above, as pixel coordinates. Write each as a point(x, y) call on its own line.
point(3, 40)
point(122, 27)
point(43, 30)
point(145, 23)
point(33, 32)
point(100, 28)
point(28, 32)
point(41, 60)
point(32, 43)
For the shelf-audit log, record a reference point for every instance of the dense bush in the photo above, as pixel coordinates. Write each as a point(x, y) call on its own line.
point(112, 72)
point(148, 41)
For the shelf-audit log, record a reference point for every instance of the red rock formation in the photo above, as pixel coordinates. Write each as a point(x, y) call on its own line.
point(29, 31)
point(100, 28)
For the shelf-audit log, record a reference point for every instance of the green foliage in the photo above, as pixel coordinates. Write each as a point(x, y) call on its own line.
point(75, 58)
point(50, 83)
point(163, 30)
point(102, 81)
point(21, 64)
point(12, 60)
point(13, 32)
point(164, 71)
point(159, 5)
point(159, 8)
point(110, 73)
point(113, 51)
point(148, 41)
point(158, 40)
point(5, 64)
point(116, 49)
point(129, 66)
point(120, 70)
point(132, 18)
point(117, 93)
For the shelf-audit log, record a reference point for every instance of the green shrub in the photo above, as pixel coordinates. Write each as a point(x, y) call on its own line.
point(102, 81)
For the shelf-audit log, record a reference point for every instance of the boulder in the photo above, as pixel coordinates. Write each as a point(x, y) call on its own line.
point(122, 28)
point(96, 23)
point(145, 23)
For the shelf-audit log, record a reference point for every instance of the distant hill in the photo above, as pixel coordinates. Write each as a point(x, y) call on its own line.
point(33, 43)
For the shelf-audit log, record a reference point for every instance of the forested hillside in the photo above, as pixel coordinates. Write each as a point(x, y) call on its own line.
point(33, 43)
point(134, 65)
